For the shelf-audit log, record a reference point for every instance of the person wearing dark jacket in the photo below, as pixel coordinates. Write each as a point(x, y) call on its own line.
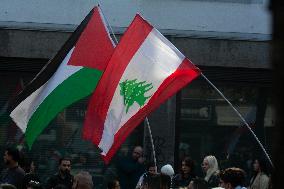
point(63, 177)
point(14, 174)
point(211, 169)
point(31, 178)
point(130, 168)
point(186, 173)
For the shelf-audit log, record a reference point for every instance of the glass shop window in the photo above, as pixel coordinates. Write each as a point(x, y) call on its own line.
point(208, 125)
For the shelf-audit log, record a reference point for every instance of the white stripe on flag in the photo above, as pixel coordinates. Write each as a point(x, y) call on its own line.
point(155, 60)
point(23, 112)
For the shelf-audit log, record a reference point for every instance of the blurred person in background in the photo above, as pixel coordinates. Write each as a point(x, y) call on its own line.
point(13, 174)
point(63, 176)
point(151, 171)
point(211, 170)
point(130, 168)
point(186, 173)
point(198, 183)
point(30, 174)
point(232, 178)
point(83, 180)
point(113, 184)
point(260, 178)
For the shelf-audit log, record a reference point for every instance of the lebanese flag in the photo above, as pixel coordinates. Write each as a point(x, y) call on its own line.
point(71, 75)
point(144, 70)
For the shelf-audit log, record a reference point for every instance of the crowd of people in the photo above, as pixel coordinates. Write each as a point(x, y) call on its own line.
point(133, 172)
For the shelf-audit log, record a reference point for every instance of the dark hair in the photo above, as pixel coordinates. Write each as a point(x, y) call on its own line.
point(199, 183)
point(14, 152)
point(60, 186)
point(234, 176)
point(150, 164)
point(26, 164)
point(64, 159)
point(263, 165)
point(158, 181)
point(190, 163)
point(111, 183)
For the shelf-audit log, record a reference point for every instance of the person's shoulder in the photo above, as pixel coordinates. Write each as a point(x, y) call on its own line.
point(264, 177)
point(20, 170)
point(217, 172)
point(177, 177)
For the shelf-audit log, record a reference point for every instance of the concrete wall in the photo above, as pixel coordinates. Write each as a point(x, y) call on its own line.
point(209, 52)
point(239, 16)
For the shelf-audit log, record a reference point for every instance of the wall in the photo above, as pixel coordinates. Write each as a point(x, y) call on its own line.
point(222, 16)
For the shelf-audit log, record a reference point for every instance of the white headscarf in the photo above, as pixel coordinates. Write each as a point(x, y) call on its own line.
point(167, 170)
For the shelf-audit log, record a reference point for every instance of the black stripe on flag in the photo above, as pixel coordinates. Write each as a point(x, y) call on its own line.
point(51, 66)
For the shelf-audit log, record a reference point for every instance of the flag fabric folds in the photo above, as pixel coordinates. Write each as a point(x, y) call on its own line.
point(71, 75)
point(144, 70)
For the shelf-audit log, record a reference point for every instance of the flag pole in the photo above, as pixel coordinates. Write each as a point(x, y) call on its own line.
point(152, 142)
point(242, 118)
point(146, 119)
point(105, 18)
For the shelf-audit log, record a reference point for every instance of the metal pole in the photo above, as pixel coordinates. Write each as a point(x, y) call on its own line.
point(152, 143)
point(236, 111)
point(105, 18)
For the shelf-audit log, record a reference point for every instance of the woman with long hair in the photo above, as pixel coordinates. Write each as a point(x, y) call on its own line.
point(211, 170)
point(186, 173)
point(260, 179)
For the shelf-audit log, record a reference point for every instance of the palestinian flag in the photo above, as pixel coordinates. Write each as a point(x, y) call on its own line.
point(71, 75)
point(144, 71)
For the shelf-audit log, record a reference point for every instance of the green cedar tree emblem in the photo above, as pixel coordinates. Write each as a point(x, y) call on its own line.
point(134, 91)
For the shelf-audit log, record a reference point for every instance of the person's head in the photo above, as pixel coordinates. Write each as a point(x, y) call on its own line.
point(232, 177)
point(113, 184)
point(151, 168)
point(83, 180)
point(187, 166)
point(157, 181)
point(260, 165)
point(28, 165)
point(137, 152)
point(83, 158)
point(64, 165)
point(167, 170)
point(209, 166)
point(198, 183)
point(11, 156)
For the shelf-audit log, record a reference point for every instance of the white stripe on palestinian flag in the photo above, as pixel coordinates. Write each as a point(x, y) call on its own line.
point(21, 114)
point(71, 75)
point(155, 60)
point(144, 71)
